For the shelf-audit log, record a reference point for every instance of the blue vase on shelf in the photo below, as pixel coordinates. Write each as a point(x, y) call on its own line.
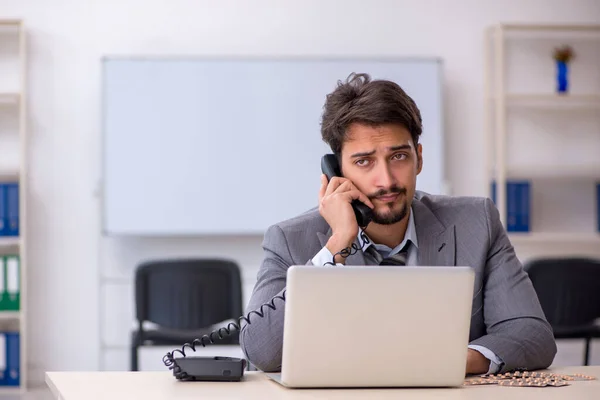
point(562, 76)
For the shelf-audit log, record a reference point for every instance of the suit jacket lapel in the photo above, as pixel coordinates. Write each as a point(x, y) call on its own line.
point(355, 259)
point(437, 243)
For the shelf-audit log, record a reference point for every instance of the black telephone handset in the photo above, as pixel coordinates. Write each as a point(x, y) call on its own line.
point(330, 167)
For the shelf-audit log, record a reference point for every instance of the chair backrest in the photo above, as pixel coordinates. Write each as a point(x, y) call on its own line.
point(568, 289)
point(188, 294)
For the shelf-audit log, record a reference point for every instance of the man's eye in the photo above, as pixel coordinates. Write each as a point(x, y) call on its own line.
point(362, 162)
point(399, 156)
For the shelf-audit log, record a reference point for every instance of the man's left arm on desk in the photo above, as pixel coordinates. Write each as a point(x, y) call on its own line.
point(518, 333)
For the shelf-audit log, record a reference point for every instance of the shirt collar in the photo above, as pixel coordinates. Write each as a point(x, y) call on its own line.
point(409, 236)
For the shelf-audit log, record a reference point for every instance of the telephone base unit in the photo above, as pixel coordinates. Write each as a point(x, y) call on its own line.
point(222, 369)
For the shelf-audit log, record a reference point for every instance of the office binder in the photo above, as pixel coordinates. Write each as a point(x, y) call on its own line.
point(523, 214)
point(3, 210)
point(598, 205)
point(13, 282)
point(12, 209)
point(10, 283)
point(3, 359)
point(3, 292)
point(518, 204)
point(10, 371)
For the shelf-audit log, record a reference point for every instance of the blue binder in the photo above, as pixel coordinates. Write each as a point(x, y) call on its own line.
point(12, 208)
point(3, 210)
point(598, 204)
point(524, 207)
point(518, 204)
point(10, 371)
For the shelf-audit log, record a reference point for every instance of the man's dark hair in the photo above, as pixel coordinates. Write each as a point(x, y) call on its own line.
point(369, 102)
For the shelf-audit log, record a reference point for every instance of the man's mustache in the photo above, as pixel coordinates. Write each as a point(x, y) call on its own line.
point(391, 190)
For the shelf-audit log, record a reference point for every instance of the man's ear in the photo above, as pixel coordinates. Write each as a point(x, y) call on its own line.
point(419, 158)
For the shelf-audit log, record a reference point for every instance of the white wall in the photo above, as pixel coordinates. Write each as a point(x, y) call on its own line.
point(67, 39)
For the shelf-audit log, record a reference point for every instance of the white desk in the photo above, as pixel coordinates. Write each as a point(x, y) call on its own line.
point(162, 385)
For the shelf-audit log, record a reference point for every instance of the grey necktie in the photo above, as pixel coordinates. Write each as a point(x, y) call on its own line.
point(397, 259)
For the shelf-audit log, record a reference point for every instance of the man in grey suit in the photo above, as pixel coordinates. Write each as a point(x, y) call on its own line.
point(373, 127)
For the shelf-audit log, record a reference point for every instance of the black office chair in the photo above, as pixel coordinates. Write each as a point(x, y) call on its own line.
point(569, 292)
point(183, 298)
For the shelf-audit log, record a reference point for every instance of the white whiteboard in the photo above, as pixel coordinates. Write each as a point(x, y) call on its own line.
point(196, 146)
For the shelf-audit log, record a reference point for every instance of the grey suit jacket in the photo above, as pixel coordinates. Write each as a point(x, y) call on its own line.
point(507, 317)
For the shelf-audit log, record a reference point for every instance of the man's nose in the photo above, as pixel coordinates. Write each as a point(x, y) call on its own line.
point(385, 179)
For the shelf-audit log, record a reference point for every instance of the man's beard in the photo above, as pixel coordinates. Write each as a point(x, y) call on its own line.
point(391, 217)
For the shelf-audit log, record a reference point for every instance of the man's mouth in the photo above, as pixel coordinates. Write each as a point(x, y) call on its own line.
point(388, 197)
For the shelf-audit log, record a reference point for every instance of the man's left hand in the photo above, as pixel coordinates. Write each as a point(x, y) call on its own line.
point(477, 363)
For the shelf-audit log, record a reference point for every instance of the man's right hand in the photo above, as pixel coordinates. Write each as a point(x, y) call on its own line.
point(335, 205)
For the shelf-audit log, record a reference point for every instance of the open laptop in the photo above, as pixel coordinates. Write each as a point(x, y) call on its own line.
point(372, 326)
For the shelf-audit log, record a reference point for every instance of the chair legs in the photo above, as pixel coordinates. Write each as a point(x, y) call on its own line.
point(586, 357)
point(134, 357)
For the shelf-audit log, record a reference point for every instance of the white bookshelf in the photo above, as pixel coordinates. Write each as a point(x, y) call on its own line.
point(9, 315)
point(554, 101)
point(13, 168)
point(7, 242)
point(592, 239)
point(533, 132)
point(585, 171)
point(9, 99)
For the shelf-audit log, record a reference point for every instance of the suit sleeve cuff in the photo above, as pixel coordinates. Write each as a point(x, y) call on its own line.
point(495, 361)
point(324, 257)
